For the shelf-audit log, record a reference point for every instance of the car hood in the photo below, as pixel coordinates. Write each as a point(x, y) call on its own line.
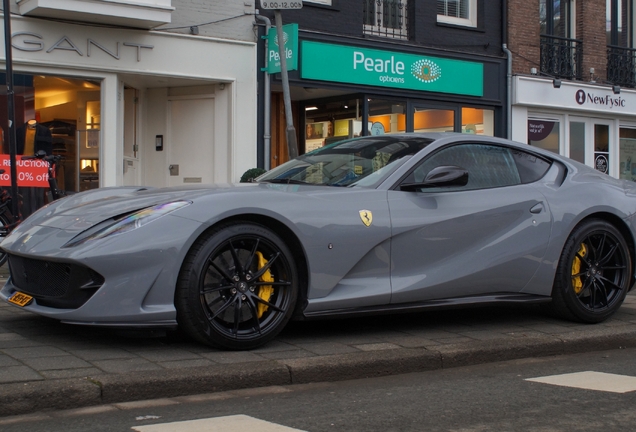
point(84, 210)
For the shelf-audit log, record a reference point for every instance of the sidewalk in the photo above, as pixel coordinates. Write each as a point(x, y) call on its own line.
point(48, 365)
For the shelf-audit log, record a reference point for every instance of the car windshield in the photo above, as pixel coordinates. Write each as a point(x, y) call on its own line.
point(346, 163)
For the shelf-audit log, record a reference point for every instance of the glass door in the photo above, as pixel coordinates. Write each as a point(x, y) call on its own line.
point(592, 142)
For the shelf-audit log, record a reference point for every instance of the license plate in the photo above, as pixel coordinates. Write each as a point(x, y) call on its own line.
point(20, 299)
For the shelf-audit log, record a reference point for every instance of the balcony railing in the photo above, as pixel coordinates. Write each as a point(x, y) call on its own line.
point(621, 63)
point(387, 18)
point(561, 57)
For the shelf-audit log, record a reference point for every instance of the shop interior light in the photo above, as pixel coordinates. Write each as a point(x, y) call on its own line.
point(311, 108)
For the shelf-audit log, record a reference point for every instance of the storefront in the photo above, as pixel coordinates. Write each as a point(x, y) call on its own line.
point(591, 123)
point(347, 88)
point(133, 107)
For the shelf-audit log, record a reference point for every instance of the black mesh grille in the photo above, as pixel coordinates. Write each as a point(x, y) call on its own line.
point(54, 284)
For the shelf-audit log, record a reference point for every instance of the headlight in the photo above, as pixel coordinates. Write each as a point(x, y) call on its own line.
point(127, 223)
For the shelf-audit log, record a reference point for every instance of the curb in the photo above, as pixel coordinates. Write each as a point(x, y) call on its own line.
point(25, 398)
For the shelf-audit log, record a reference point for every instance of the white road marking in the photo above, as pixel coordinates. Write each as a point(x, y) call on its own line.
point(235, 423)
point(591, 381)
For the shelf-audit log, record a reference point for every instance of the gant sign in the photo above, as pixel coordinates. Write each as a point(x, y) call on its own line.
point(27, 41)
point(582, 97)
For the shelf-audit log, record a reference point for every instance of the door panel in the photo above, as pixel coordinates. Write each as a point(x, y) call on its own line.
point(461, 243)
point(190, 142)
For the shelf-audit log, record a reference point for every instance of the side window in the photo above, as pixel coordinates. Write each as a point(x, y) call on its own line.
point(488, 166)
point(531, 168)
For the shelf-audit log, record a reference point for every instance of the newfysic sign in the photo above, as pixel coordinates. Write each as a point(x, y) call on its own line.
point(350, 64)
point(290, 36)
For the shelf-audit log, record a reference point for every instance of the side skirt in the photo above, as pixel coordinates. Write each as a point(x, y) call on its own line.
point(452, 303)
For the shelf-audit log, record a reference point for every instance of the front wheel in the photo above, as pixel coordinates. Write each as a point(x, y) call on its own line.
point(237, 288)
point(6, 223)
point(594, 273)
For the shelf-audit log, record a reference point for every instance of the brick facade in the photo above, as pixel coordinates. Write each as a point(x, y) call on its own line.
point(523, 35)
point(589, 27)
point(227, 19)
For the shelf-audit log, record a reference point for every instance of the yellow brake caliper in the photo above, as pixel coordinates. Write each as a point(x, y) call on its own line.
point(577, 283)
point(265, 292)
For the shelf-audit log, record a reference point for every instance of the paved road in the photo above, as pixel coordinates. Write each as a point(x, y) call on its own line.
point(45, 364)
point(503, 396)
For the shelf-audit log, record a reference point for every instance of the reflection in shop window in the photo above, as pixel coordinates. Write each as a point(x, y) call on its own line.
point(627, 153)
point(386, 116)
point(332, 121)
point(544, 134)
point(478, 121)
point(433, 120)
point(53, 114)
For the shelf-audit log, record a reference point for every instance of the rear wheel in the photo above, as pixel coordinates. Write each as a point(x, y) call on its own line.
point(237, 288)
point(594, 273)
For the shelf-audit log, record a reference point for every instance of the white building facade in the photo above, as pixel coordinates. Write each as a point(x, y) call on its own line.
point(592, 123)
point(144, 92)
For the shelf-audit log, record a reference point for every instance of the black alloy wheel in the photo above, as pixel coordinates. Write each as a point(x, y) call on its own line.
point(238, 287)
point(6, 223)
point(594, 274)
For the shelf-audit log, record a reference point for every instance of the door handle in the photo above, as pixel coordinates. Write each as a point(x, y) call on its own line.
point(537, 208)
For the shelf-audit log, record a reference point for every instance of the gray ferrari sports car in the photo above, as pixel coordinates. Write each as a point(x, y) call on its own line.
point(364, 226)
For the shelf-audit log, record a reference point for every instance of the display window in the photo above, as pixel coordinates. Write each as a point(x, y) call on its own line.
point(544, 133)
point(59, 115)
point(333, 120)
point(478, 121)
point(627, 153)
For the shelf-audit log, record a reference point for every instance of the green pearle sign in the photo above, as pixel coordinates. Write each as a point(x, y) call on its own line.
point(355, 65)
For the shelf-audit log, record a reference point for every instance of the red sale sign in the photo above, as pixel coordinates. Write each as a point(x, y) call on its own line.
point(31, 172)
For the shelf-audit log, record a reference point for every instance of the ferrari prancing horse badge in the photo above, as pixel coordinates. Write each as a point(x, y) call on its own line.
point(366, 216)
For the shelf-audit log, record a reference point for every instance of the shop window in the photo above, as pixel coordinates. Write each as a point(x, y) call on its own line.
point(386, 116)
point(433, 120)
point(322, 2)
point(60, 116)
point(544, 134)
point(459, 12)
point(385, 18)
point(627, 153)
point(478, 121)
point(577, 141)
point(328, 122)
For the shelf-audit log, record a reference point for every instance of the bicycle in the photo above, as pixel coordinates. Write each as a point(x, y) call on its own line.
point(54, 192)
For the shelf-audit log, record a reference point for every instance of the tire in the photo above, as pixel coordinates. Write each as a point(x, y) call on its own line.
point(594, 273)
point(224, 282)
point(5, 221)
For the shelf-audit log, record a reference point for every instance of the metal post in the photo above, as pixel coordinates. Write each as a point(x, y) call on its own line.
point(10, 125)
point(267, 94)
point(292, 146)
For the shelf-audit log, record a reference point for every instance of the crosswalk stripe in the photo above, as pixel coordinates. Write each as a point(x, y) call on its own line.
point(234, 423)
point(591, 381)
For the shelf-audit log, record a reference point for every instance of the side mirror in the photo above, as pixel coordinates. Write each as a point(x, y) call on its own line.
point(447, 175)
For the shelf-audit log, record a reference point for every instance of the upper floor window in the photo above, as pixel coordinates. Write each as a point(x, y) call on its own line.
point(460, 12)
point(386, 18)
point(619, 23)
point(555, 18)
